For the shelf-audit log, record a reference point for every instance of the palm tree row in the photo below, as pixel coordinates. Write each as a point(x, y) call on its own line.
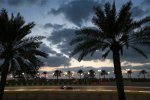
point(90, 74)
point(142, 72)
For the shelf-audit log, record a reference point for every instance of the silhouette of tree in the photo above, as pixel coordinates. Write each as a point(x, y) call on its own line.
point(45, 74)
point(129, 72)
point(114, 32)
point(69, 74)
point(80, 72)
point(57, 73)
point(143, 72)
point(18, 51)
point(104, 73)
point(91, 73)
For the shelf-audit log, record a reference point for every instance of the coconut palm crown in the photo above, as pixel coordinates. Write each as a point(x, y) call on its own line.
point(114, 32)
point(80, 72)
point(18, 51)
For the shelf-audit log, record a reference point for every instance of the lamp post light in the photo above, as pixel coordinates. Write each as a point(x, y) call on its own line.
point(108, 75)
point(99, 71)
point(53, 76)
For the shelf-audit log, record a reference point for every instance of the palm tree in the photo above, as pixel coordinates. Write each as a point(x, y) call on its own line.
point(80, 72)
point(57, 73)
point(104, 73)
point(129, 72)
point(144, 72)
point(69, 74)
point(18, 51)
point(19, 74)
point(91, 73)
point(45, 74)
point(113, 32)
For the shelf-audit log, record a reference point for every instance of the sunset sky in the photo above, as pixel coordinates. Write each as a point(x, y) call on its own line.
point(58, 19)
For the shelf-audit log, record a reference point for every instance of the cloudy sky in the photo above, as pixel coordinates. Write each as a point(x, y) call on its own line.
point(58, 19)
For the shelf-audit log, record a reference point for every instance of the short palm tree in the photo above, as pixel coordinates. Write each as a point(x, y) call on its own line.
point(114, 32)
point(104, 73)
point(45, 74)
point(91, 73)
point(69, 74)
point(80, 72)
point(143, 72)
point(18, 51)
point(57, 73)
point(129, 72)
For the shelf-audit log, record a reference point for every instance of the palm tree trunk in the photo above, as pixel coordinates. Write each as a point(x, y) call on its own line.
point(144, 75)
point(3, 78)
point(57, 79)
point(118, 75)
point(80, 76)
point(45, 76)
point(130, 76)
point(104, 76)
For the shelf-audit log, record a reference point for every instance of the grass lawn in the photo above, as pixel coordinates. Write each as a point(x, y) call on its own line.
point(72, 95)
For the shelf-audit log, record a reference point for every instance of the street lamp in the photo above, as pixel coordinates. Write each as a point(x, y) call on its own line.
point(109, 75)
point(99, 71)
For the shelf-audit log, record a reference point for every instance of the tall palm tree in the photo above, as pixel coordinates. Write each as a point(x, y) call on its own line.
point(114, 32)
point(17, 50)
point(104, 73)
point(57, 73)
point(80, 72)
point(143, 72)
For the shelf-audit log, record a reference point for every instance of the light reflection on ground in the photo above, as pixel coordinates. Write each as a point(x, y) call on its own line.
point(79, 88)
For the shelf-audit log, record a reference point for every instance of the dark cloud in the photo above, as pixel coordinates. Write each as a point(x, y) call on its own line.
point(62, 38)
point(132, 56)
point(24, 2)
point(56, 61)
point(54, 26)
point(146, 3)
point(139, 12)
point(1, 1)
point(47, 49)
point(76, 11)
point(63, 35)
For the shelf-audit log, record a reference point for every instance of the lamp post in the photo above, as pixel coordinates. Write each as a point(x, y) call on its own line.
point(108, 75)
point(99, 71)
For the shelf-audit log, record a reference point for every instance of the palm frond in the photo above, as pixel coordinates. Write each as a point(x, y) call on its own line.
point(105, 54)
point(139, 51)
point(138, 24)
point(124, 17)
point(107, 9)
point(89, 31)
point(24, 31)
point(38, 53)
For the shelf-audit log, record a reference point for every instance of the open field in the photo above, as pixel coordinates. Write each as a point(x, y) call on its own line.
point(77, 93)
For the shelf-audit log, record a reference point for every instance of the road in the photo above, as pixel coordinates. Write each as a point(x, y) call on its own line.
point(139, 89)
